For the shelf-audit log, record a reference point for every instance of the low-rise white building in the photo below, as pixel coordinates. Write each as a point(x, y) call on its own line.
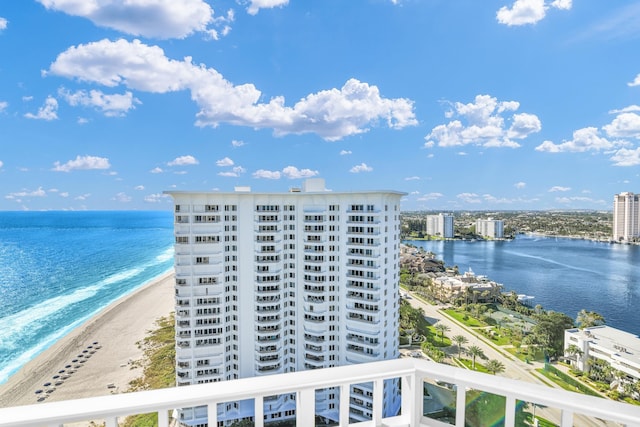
point(480, 288)
point(618, 348)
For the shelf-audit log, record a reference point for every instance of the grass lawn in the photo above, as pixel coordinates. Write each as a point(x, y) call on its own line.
point(434, 338)
point(537, 357)
point(479, 366)
point(573, 385)
point(464, 318)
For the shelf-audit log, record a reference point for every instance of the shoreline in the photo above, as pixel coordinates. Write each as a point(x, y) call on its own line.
point(96, 357)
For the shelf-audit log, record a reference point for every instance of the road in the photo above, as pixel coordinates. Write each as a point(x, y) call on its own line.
point(514, 368)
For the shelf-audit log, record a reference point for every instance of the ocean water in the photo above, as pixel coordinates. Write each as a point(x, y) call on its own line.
point(57, 269)
point(565, 275)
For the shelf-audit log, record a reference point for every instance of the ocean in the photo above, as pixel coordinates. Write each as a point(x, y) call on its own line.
point(562, 274)
point(57, 269)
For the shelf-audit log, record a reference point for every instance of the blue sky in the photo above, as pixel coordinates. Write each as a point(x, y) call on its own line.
point(462, 104)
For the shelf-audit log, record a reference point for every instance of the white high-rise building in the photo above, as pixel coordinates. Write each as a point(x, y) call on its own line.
point(626, 217)
point(268, 283)
point(440, 225)
point(491, 228)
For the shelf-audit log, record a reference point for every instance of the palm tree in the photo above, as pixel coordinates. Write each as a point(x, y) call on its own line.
point(494, 366)
point(442, 328)
point(587, 319)
point(460, 340)
point(574, 350)
point(474, 351)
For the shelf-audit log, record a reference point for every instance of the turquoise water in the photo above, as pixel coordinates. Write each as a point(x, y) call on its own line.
point(57, 269)
point(564, 275)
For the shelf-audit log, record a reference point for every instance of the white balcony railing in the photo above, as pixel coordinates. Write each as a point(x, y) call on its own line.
point(411, 372)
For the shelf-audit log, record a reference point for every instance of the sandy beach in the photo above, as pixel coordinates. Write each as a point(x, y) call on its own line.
point(95, 358)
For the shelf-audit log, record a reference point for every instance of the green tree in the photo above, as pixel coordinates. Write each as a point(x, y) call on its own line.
point(549, 331)
point(474, 351)
point(587, 319)
point(460, 340)
point(494, 366)
point(573, 351)
point(442, 328)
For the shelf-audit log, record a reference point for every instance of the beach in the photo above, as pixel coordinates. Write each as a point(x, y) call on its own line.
point(96, 358)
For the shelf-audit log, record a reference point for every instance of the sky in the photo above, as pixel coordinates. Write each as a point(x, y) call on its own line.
point(461, 104)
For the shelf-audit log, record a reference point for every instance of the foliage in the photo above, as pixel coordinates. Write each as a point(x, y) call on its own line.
point(475, 351)
point(442, 328)
point(549, 331)
point(460, 340)
point(587, 319)
point(462, 317)
point(565, 381)
point(494, 366)
point(159, 367)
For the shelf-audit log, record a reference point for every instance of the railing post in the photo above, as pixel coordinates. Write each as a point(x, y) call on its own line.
point(345, 394)
point(305, 407)
point(510, 411)
point(258, 411)
point(212, 414)
point(566, 419)
point(461, 403)
point(415, 397)
point(378, 397)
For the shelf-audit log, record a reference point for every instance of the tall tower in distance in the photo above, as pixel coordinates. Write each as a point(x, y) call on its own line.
point(268, 283)
point(626, 219)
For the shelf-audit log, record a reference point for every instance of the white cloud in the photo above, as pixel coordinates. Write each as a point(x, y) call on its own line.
point(345, 152)
point(122, 197)
point(626, 157)
point(520, 185)
point(469, 197)
point(332, 114)
point(3, 106)
point(625, 125)
point(635, 82)
point(412, 178)
point(27, 193)
point(64, 194)
point(139, 187)
point(157, 198)
point(235, 172)
point(629, 109)
point(3, 23)
point(585, 139)
point(293, 172)
point(362, 167)
point(183, 161)
point(149, 18)
point(256, 5)
point(111, 105)
point(237, 143)
point(556, 188)
point(49, 111)
point(265, 174)
point(82, 163)
point(430, 196)
point(83, 196)
point(483, 125)
point(524, 12)
point(583, 201)
point(156, 170)
point(1, 164)
point(225, 162)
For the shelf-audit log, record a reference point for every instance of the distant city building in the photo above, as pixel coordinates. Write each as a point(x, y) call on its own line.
point(268, 283)
point(440, 225)
point(626, 217)
point(620, 349)
point(491, 228)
